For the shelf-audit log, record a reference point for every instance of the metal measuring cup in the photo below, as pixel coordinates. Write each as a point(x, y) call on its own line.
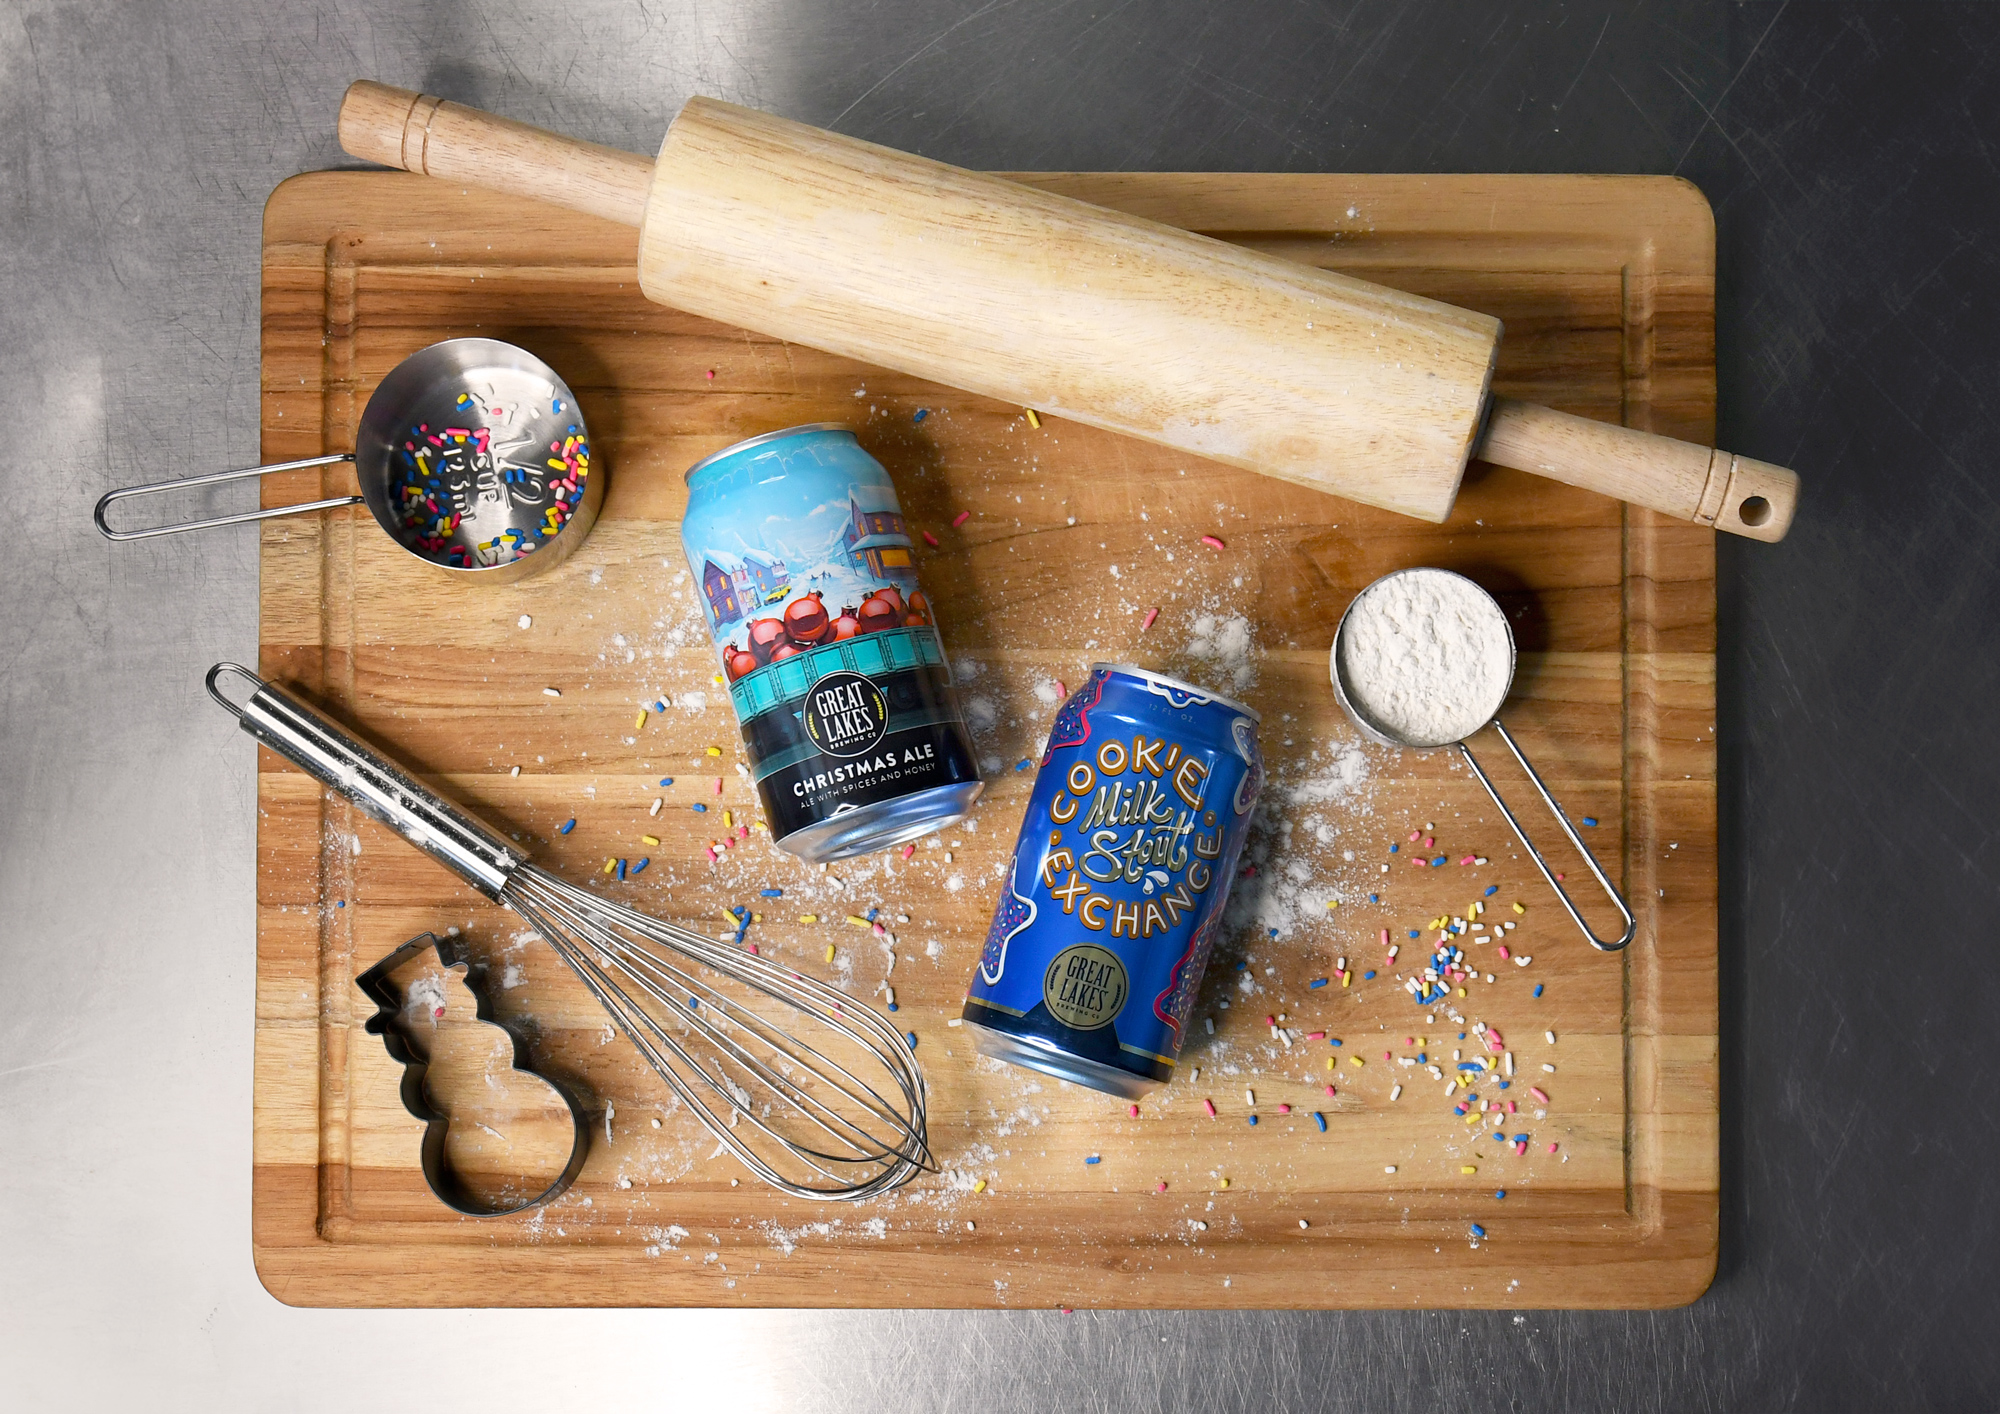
point(1488, 713)
point(471, 454)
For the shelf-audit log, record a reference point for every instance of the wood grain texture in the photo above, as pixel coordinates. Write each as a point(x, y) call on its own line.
point(1606, 285)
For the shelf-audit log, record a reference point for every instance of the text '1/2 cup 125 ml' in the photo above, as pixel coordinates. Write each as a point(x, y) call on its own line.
point(1115, 896)
point(803, 567)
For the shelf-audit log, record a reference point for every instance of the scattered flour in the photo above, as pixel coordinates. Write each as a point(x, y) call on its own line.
point(1224, 646)
point(1423, 656)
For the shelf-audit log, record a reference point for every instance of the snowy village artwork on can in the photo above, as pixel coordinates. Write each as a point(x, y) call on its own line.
point(806, 575)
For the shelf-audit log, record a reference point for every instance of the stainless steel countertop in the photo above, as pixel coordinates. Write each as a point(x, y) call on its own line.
point(1849, 152)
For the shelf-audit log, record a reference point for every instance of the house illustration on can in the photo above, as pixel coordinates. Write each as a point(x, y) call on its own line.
point(875, 538)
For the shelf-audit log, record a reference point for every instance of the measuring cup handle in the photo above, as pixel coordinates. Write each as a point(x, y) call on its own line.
point(212, 478)
point(1631, 924)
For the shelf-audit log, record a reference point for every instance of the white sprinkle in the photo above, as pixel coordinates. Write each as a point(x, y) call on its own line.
point(658, 801)
point(515, 772)
point(1549, 1036)
point(1507, 1062)
point(1388, 1168)
point(552, 692)
point(1250, 1098)
point(1523, 960)
point(1208, 1022)
point(1395, 1093)
point(524, 621)
point(956, 1021)
point(1302, 1222)
point(892, 995)
point(1549, 1068)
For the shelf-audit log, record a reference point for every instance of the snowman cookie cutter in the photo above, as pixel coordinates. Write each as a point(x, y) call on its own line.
point(401, 1040)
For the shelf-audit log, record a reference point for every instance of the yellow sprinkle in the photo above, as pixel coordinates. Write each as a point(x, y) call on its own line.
point(1461, 991)
point(979, 1187)
point(650, 839)
point(808, 918)
point(1477, 908)
point(715, 751)
point(857, 920)
point(756, 918)
point(1329, 1062)
point(1333, 903)
point(640, 721)
point(1033, 421)
point(1356, 1062)
point(1468, 1168)
point(716, 679)
point(726, 914)
point(610, 864)
point(1345, 978)
point(1518, 908)
point(1225, 1183)
point(829, 952)
point(728, 818)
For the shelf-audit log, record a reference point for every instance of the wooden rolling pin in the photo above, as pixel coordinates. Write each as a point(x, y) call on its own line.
point(984, 284)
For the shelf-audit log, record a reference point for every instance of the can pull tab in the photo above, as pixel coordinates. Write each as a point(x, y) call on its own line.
point(213, 478)
point(1631, 924)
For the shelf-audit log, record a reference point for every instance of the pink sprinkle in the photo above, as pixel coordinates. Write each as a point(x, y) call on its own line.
point(1214, 542)
point(880, 931)
point(930, 539)
point(718, 785)
point(1539, 1093)
point(1284, 1109)
point(1429, 840)
point(956, 521)
point(753, 949)
point(1270, 1021)
point(1467, 860)
point(712, 855)
point(1315, 1035)
point(1552, 1148)
point(1135, 1111)
point(1388, 1055)
point(711, 375)
point(1385, 937)
point(1151, 614)
point(1415, 835)
point(1513, 1107)
point(742, 832)
point(908, 850)
point(1163, 1185)
point(1504, 954)
point(1208, 1105)
point(1521, 1148)
point(1409, 1040)
point(1331, 1091)
point(1559, 878)
point(439, 1013)
point(1062, 688)
point(729, 841)
point(1493, 1037)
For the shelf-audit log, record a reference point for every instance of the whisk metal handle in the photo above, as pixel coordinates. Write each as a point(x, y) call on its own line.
point(376, 785)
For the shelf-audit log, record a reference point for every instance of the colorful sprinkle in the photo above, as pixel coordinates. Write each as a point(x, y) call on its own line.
point(1320, 1120)
point(1588, 820)
point(1147, 622)
point(1033, 420)
point(566, 826)
point(960, 519)
point(1214, 542)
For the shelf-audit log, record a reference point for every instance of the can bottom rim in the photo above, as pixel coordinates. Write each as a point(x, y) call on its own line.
point(883, 825)
point(1036, 1055)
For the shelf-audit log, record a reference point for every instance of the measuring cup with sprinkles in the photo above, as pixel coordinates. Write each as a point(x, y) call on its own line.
point(471, 454)
point(1422, 659)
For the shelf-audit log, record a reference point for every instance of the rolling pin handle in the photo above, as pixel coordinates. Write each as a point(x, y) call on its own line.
point(1681, 479)
point(418, 133)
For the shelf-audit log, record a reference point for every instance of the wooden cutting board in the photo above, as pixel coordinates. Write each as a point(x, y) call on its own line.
point(1606, 286)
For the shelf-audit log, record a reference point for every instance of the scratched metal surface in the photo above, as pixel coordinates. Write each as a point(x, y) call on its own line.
point(1850, 151)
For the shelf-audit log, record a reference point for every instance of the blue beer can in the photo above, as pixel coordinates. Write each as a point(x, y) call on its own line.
point(1120, 876)
point(804, 569)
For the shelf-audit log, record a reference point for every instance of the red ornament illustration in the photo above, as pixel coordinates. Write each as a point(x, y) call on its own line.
point(738, 662)
point(806, 622)
point(847, 625)
point(782, 652)
point(878, 613)
point(765, 635)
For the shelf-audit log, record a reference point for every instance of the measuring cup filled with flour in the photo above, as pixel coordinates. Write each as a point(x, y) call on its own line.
point(1422, 659)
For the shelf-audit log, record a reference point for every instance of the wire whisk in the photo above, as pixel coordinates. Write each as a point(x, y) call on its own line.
point(813, 1091)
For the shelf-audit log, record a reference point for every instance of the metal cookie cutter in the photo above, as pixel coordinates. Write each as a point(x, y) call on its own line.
point(1480, 714)
point(471, 455)
point(387, 1022)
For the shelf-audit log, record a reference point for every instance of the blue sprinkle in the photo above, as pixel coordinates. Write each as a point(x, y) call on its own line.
point(1317, 982)
point(661, 705)
point(1320, 1120)
point(666, 780)
point(1368, 977)
point(1588, 820)
point(1423, 1058)
point(567, 826)
point(1093, 1159)
point(921, 414)
point(641, 864)
point(1437, 862)
point(1461, 1035)
point(700, 809)
point(1478, 1231)
point(340, 903)
point(871, 914)
point(1241, 965)
point(911, 1037)
point(1470, 1065)
point(1394, 847)
point(1022, 764)
point(773, 893)
point(1274, 932)
point(1374, 898)
point(694, 1003)
point(621, 870)
point(1253, 1119)
point(1413, 932)
point(1538, 989)
point(1492, 889)
point(894, 1007)
point(1499, 1193)
point(1505, 1083)
point(1333, 1040)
